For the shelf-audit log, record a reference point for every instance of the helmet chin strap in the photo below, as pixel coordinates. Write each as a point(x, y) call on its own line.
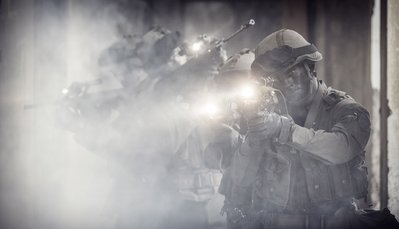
point(312, 87)
point(312, 78)
point(308, 72)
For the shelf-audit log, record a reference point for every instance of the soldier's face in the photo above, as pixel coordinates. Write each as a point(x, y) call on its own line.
point(294, 83)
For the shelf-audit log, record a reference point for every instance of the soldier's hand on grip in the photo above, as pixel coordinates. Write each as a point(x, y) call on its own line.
point(264, 126)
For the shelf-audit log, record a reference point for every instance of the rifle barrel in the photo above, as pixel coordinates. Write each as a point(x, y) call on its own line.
point(242, 28)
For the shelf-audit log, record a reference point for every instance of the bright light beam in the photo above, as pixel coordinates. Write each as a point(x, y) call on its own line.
point(197, 46)
point(247, 92)
point(211, 109)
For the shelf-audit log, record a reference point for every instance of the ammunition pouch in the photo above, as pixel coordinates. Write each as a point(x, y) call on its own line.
point(198, 185)
point(324, 182)
point(332, 182)
point(275, 180)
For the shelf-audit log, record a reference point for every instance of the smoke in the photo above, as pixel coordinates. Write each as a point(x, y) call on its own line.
point(103, 169)
point(108, 166)
point(60, 183)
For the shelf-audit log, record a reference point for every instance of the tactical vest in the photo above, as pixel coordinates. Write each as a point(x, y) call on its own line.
point(284, 170)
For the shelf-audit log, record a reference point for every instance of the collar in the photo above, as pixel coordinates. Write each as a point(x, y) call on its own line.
point(314, 107)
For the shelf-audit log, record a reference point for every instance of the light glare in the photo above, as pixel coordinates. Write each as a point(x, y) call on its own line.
point(211, 109)
point(247, 92)
point(196, 46)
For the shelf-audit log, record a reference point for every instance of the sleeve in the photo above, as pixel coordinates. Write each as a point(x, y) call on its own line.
point(346, 139)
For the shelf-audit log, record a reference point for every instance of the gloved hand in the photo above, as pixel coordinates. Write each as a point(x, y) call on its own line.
point(264, 126)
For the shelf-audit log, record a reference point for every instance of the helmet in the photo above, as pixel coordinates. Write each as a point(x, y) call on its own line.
point(153, 48)
point(119, 52)
point(282, 50)
point(134, 58)
point(236, 68)
point(156, 46)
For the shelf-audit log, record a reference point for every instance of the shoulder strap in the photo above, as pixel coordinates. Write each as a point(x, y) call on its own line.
point(334, 97)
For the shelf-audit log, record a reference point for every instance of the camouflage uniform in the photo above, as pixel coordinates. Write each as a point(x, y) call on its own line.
point(298, 175)
point(288, 176)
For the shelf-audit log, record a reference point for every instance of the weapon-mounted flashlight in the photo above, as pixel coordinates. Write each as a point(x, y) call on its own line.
point(196, 47)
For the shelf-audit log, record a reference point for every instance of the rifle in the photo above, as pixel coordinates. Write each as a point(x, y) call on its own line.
point(201, 60)
point(235, 107)
point(205, 44)
point(77, 93)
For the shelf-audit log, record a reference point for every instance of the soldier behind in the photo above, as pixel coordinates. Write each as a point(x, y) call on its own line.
point(233, 75)
point(153, 137)
point(303, 169)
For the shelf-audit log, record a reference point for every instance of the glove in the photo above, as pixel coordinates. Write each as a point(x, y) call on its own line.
point(264, 126)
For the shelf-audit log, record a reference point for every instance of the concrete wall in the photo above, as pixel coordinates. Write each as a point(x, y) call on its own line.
point(342, 32)
point(393, 120)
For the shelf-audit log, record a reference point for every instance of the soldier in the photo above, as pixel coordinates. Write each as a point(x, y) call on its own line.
point(164, 182)
point(233, 74)
point(303, 168)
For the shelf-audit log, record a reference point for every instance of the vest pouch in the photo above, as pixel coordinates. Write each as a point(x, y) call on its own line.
point(275, 179)
point(317, 179)
point(341, 180)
